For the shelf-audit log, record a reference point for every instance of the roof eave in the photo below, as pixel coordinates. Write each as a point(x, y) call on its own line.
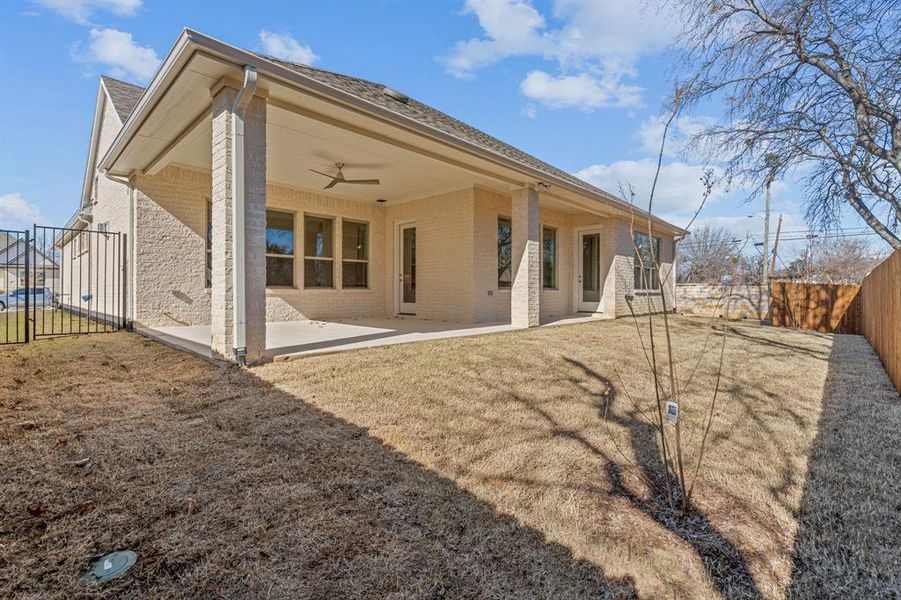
point(167, 70)
point(191, 40)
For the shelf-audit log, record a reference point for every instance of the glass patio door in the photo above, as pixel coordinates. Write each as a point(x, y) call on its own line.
point(589, 279)
point(407, 270)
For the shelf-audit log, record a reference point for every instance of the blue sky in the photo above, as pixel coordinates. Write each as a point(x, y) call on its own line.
point(580, 85)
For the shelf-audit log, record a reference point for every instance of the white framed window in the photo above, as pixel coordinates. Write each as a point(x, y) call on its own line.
point(549, 258)
point(647, 256)
point(504, 252)
point(279, 249)
point(318, 252)
point(354, 254)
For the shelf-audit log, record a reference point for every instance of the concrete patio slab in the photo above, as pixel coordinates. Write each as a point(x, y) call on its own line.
point(293, 339)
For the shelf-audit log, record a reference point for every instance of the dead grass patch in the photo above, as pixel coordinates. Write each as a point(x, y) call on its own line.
point(464, 467)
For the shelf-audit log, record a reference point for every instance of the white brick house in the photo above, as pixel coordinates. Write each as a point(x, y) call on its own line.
point(216, 172)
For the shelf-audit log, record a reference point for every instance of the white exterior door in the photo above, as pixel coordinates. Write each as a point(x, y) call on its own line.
point(588, 277)
point(406, 269)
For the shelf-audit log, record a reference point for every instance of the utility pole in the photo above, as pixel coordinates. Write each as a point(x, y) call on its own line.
point(765, 277)
point(776, 244)
point(772, 161)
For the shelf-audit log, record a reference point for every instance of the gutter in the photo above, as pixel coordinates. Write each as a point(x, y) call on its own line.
point(239, 306)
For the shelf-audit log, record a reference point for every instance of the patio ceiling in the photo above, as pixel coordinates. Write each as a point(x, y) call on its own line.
point(297, 143)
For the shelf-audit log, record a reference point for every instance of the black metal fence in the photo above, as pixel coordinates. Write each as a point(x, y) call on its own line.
point(14, 299)
point(67, 282)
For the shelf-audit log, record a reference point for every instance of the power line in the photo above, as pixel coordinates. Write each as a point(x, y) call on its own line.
point(785, 237)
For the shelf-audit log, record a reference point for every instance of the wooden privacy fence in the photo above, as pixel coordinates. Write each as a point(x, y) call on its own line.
point(824, 307)
point(872, 309)
point(880, 306)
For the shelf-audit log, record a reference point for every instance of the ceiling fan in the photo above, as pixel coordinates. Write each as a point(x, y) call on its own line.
point(339, 178)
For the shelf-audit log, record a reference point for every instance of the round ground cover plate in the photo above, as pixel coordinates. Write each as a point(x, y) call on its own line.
point(112, 565)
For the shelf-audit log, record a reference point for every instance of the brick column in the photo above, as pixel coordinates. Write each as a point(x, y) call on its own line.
point(222, 293)
point(526, 292)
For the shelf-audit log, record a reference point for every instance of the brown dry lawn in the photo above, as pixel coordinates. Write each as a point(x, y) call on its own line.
point(473, 467)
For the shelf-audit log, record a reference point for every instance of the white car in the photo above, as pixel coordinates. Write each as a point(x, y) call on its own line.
point(15, 300)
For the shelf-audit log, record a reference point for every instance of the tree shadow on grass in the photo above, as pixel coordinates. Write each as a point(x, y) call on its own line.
point(847, 544)
point(234, 488)
point(725, 563)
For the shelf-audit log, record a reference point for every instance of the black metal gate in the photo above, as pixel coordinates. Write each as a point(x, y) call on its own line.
point(67, 282)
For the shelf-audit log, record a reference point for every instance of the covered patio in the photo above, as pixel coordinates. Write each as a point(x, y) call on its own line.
point(282, 210)
point(286, 340)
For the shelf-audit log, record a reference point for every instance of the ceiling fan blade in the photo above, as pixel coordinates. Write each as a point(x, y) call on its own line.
point(362, 181)
point(332, 184)
point(321, 173)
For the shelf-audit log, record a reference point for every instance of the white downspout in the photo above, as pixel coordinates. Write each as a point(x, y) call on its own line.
point(131, 288)
point(242, 100)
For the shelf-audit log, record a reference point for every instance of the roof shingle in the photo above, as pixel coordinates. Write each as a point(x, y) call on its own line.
point(124, 95)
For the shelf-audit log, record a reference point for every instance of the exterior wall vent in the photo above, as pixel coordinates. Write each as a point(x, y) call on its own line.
point(393, 93)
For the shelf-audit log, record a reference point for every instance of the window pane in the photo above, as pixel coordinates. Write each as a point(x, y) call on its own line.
point(279, 233)
point(318, 273)
point(279, 271)
point(639, 285)
point(409, 265)
point(317, 237)
point(354, 274)
point(591, 270)
point(549, 258)
point(354, 240)
point(504, 253)
point(643, 245)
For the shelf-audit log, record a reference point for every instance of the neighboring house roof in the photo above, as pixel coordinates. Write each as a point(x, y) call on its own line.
point(123, 95)
point(6, 240)
point(13, 255)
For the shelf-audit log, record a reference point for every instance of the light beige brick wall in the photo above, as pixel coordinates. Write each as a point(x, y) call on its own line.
point(493, 303)
point(444, 255)
point(170, 249)
point(625, 277)
point(558, 302)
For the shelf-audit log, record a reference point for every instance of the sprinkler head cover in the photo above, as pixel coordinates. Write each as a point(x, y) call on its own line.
point(110, 566)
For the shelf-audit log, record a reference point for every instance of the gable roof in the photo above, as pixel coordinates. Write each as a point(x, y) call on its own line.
point(432, 117)
point(123, 95)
